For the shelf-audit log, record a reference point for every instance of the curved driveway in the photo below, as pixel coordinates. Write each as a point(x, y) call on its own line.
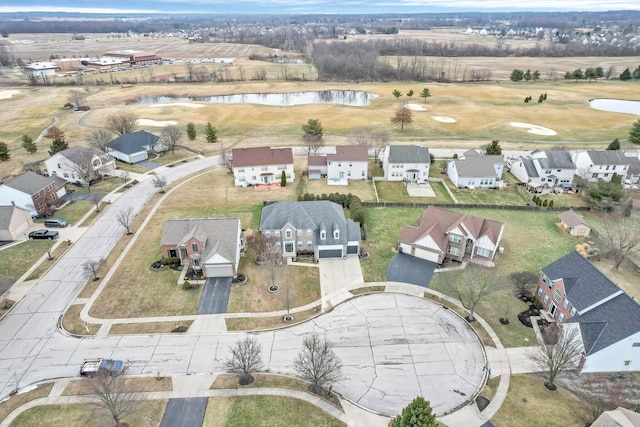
point(394, 347)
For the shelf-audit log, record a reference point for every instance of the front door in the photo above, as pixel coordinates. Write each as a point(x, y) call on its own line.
point(468, 250)
point(173, 253)
point(341, 175)
point(266, 179)
point(553, 310)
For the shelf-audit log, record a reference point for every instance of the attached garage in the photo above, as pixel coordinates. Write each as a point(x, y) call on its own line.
point(427, 255)
point(218, 270)
point(352, 249)
point(330, 253)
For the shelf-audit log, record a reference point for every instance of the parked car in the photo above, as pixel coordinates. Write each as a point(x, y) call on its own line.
point(43, 234)
point(93, 367)
point(55, 222)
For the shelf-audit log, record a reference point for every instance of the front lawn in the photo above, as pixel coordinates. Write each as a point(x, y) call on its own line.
point(16, 260)
point(74, 211)
point(105, 185)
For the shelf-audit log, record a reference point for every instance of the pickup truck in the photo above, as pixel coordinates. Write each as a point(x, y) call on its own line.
point(93, 367)
point(43, 234)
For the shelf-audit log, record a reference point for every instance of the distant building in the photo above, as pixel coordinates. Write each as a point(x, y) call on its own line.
point(131, 58)
point(41, 68)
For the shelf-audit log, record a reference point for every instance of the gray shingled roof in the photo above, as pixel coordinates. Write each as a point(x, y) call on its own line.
point(30, 182)
point(408, 154)
point(529, 167)
point(558, 159)
point(634, 166)
point(608, 323)
point(133, 142)
point(220, 235)
point(314, 215)
point(608, 157)
point(6, 212)
point(477, 166)
point(81, 155)
point(584, 284)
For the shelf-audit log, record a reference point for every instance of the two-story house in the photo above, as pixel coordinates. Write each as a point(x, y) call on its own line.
point(602, 164)
point(210, 245)
point(80, 164)
point(38, 194)
point(545, 169)
point(579, 296)
point(476, 170)
point(442, 234)
point(349, 162)
point(315, 227)
point(406, 163)
point(262, 165)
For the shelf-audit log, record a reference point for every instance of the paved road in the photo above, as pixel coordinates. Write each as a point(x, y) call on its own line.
point(215, 295)
point(407, 269)
point(188, 412)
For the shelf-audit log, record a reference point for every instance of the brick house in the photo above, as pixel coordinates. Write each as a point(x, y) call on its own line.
point(38, 194)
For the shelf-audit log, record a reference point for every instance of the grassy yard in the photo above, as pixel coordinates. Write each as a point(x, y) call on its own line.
point(126, 167)
point(529, 403)
point(18, 400)
point(149, 413)
point(374, 168)
point(42, 268)
point(82, 387)
point(362, 189)
point(106, 185)
point(268, 411)
point(487, 196)
point(74, 211)
point(16, 260)
point(170, 157)
point(394, 191)
point(263, 323)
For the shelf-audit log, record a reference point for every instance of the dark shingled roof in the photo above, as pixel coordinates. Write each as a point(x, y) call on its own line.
point(408, 154)
point(81, 155)
point(584, 284)
point(133, 142)
point(30, 182)
point(572, 218)
point(261, 156)
point(529, 167)
point(608, 157)
point(317, 160)
point(559, 159)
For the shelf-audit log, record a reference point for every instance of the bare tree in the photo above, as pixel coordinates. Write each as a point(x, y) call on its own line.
point(403, 116)
point(360, 136)
point(226, 158)
point(96, 198)
point(561, 356)
point(472, 286)
point(125, 218)
point(92, 266)
point(522, 282)
point(122, 123)
point(77, 98)
point(171, 136)
point(100, 138)
point(378, 142)
point(159, 181)
point(271, 256)
point(117, 395)
point(317, 362)
point(245, 359)
point(621, 235)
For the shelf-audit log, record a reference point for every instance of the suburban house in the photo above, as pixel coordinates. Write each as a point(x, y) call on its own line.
point(442, 234)
point(545, 169)
point(38, 194)
point(476, 170)
point(633, 173)
point(578, 295)
point(602, 164)
point(134, 147)
point(619, 417)
point(349, 162)
point(406, 163)
point(210, 245)
point(80, 164)
point(14, 222)
point(574, 224)
point(262, 165)
point(316, 227)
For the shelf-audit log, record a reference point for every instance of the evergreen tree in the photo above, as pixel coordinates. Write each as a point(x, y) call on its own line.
point(418, 413)
point(527, 75)
point(397, 94)
point(28, 145)
point(516, 75)
point(4, 152)
point(493, 148)
point(540, 98)
point(410, 94)
point(614, 145)
point(191, 131)
point(536, 75)
point(211, 132)
point(425, 94)
point(634, 133)
point(626, 75)
point(283, 179)
point(636, 73)
point(57, 145)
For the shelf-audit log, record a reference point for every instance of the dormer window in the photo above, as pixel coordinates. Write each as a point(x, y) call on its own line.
point(323, 234)
point(287, 234)
point(336, 234)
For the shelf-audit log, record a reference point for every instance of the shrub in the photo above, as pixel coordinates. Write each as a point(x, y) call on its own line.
point(545, 203)
point(537, 304)
point(550, 203)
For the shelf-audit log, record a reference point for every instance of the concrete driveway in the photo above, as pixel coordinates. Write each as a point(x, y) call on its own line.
point(420, 190)
point(187, 412)
point(337, 276)
point(215, 295)
point(408, 269)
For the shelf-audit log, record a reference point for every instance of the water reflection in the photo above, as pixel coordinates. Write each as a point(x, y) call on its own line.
point(616, 105)
point(353, 98)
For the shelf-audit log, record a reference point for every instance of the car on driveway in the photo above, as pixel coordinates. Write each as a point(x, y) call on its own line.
point(43, 234)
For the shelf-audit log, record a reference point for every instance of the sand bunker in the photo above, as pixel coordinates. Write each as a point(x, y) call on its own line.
point(443, 119)
point(538, 130)
point(6, 94)
point(178, 104)
point(147, 122)
point(416, 107)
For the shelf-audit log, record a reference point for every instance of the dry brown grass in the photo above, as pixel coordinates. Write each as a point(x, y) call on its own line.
point(260, 380)
point(362, 189)
point(147, 328)
point(82, 386)
point(217, 412)
point(72, 322)
point(18, 400)
point(367, 289)
point(265, 323)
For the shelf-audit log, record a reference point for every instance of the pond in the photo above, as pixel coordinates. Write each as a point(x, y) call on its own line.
point(354, 98)
point(616, 105)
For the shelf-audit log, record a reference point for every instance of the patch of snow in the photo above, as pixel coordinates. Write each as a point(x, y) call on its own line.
point(535, 129)
point(148, 122)
point(6, 94)
point(444, 119)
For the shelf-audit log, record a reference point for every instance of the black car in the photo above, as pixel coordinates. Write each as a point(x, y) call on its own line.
point(43, 234)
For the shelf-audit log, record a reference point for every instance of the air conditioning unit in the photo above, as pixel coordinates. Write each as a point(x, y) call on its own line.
point(500, 250)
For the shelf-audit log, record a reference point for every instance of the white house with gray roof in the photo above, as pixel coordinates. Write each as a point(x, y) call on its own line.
point(578, 295)
point(80, 164)
point(313, 227)
point(406, 163)
point(545, 169)
point(602, 164)
point(476, 170)
point(134, 147)
point(210, 245)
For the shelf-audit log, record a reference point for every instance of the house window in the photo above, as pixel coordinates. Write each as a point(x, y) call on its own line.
point(336, 234)
point(484, 252)
point(339, 164)
point(561, 317)
point(242, 179)
point(309, 243)
point(424, 173)
point(362, 173)
point(349, 173)
point(595, 175)
point(240, 170)
point(282, 167)
point(299, 244)
point(565, 303)
point(540, 291)
point(194, 247)
point(546, 298)
point(550, 285)
point(635, 344)
point(66, 175)
point(264, 168)
point(453, 251)
point(556, 296)
point(350, 164)
point(573, 311)
point(253, 178)
point(298, 232)
point(287, 234)
point(323, 235)
point(547, 171)
point(627, 362)
point(455, 238)
point(288, 247)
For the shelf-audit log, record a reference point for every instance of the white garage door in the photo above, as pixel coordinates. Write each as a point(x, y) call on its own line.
point(218, 270)
point(427, 255)
point(138, 157)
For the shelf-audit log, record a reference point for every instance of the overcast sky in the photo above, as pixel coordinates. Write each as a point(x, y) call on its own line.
point(313, 6)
